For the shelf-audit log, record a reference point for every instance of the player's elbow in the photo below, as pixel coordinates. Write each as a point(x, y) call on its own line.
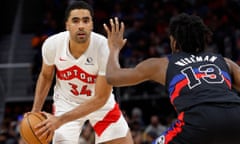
point(110, 79)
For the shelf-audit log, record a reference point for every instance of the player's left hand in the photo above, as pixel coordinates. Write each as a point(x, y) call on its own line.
point(47, 127)
point(115, 34)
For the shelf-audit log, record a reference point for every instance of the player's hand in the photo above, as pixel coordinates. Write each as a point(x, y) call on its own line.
point(47, 127)
point(115, 34)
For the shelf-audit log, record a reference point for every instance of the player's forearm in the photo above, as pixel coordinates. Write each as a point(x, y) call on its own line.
point(41, 92)
point(113, 67)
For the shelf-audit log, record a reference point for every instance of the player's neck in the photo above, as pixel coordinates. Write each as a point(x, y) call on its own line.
point(77, 49)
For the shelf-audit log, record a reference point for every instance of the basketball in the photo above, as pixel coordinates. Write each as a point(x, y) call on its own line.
point(27, 128)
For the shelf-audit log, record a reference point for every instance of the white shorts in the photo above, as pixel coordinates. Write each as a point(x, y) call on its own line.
point(108, 123)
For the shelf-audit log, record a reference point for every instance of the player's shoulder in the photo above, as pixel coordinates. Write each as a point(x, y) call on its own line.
point(98, 37)
point(61, 36)
point(157, 61)
point(56, 41)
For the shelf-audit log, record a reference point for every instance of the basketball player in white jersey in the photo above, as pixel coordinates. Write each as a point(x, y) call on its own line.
point(78, 56)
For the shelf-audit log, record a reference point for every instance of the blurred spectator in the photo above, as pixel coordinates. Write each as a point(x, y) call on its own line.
point(8, 134)
point(137, 122)
point(155, 126)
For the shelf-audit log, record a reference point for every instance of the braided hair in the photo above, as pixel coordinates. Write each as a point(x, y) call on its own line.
point(190, 33)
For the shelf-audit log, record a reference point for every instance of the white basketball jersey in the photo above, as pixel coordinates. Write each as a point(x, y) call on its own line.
point(75, 78)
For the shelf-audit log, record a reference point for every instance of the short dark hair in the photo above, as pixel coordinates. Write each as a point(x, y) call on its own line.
point(190, 33)
point(78, 5)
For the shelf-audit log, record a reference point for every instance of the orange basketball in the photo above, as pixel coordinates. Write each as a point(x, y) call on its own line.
point(27, 128)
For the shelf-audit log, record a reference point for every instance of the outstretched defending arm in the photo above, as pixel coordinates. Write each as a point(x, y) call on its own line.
point(150, 69)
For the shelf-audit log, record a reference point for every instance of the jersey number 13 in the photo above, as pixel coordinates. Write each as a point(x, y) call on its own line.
point(210, 73)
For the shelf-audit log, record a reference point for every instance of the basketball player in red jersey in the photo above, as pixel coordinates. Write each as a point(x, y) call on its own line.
point(79, 57)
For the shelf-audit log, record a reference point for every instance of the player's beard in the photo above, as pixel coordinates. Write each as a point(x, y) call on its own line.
point(81, 37)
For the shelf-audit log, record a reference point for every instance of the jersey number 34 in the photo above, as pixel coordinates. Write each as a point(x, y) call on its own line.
point(83, 91)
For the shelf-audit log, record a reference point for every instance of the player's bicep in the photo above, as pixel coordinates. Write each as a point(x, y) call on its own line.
point(133, 76)
point(47, 71)
point(48, 51)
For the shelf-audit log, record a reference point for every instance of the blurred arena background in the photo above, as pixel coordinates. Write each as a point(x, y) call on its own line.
point(25, 24)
